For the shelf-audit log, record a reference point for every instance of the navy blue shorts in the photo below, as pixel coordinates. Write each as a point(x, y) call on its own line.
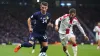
point(39, 37)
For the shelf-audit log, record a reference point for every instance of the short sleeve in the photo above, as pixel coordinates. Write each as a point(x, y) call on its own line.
point(51, 20)
point(75, 22)
point(34, 16)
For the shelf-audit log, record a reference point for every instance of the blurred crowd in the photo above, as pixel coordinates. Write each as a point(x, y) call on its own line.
point(13, 23)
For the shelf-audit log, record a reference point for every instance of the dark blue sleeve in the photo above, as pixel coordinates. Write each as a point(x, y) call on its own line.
point(51, 20)
point(34, 16)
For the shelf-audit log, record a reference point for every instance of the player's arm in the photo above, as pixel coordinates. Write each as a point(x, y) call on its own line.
point(56, 23)
point(58, 20)
point(81, 29)
point(96, 29)
point(29, 25)
point(34, 16)
point(50, 24)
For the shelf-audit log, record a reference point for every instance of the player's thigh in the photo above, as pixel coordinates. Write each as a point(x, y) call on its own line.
point(98, 39)
point(31, 42)
point(72, 38)
point(44, 43)
point(43, 40)
point(63, 39)
point(32, 39)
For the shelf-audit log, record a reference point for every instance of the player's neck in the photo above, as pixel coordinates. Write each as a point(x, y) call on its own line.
point(98, 26)
point(70, 18)
point(43, 12)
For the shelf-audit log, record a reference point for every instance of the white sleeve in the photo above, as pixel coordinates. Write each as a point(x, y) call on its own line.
point(57, 21)
point(79, 27)
point(60, 19)
point(96, 29)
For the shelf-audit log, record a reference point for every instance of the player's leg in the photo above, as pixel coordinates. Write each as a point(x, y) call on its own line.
point(33, 47)
point(64, 41)
point(99, 43)
point(65, 45)
point(25, 44)
point(97, 40)
point(98, 47)
point(74, 45)
point(44, 42)
point(40, 45)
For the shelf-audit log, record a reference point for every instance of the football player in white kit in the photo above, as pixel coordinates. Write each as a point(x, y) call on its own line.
point(66, 30)
point(97, 30)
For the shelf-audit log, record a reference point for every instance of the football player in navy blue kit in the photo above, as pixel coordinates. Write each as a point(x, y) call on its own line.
point(43, 19)
point(33, 23)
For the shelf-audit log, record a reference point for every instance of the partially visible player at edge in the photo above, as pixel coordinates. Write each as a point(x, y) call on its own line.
point(42, 18)
point(66, 30)
point(97, 31)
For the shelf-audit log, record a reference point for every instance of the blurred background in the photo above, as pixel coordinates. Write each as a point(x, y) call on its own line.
point(14, 15)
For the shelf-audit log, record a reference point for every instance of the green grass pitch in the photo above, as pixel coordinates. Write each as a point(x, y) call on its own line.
point(54, 50)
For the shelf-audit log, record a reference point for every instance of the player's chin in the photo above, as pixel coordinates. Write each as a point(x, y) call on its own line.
point(30, 31)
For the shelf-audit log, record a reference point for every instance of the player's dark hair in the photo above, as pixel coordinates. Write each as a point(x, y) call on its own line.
point(44, 3)
point(72, 10)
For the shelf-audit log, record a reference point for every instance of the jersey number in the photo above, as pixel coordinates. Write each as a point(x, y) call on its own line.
point(45, 37)
point(44, 21)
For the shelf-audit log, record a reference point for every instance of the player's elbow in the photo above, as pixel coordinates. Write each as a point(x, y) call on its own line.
point(28, 20)
point(56, 22)
point(93, 30)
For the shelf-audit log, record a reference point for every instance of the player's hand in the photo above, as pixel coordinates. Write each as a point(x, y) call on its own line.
point(86, 38)
point(56, 28)
point(30, 30)
point(50, 24)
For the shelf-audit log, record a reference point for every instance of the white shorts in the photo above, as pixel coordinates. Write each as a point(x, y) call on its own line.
point(64, 38)
point(97, 37)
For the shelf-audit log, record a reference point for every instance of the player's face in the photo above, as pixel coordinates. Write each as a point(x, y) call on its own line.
point(44, 8)
point(98, 24)
point(72, 15)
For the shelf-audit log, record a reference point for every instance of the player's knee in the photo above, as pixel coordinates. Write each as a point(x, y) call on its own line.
point(73, 41)
point(31, 42)
point(75, 44)
point(26, 44)
point(45, 43)
point(64, 48)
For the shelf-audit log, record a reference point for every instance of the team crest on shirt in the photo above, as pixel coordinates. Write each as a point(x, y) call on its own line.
point(32, 38)
point(47, 17)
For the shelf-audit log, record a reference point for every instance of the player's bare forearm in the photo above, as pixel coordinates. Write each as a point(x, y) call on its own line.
point(82, 31)
point(29, 25)
point(29, 22)
point(96, 31)
point(50, 24)
point(56, 27)
point(56, 24)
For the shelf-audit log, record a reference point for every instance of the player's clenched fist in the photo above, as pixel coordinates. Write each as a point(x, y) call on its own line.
point(30, 30)
point(86, 38)
point(56, 28)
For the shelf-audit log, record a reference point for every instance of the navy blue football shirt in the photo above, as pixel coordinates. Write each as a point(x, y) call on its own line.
point(41, 22)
